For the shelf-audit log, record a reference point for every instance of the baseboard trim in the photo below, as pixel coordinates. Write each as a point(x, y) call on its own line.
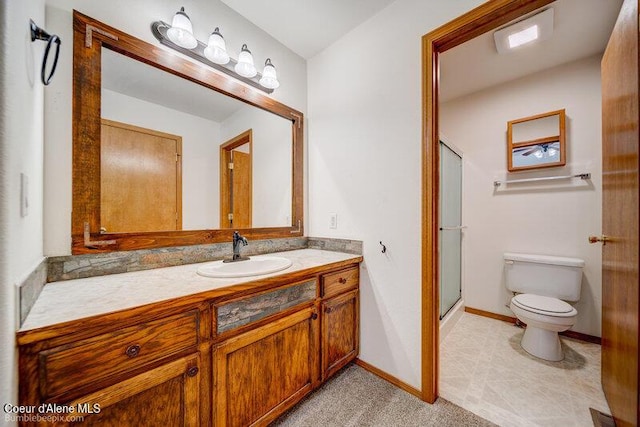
point(389, 378)
point(569, 334)
point(582, 337)
point(489, 314)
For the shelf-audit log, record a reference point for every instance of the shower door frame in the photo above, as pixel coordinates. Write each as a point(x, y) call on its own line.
point(457, 151)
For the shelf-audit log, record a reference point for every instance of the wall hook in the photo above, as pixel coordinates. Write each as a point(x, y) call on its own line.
point(38, 33)
point(384, 248)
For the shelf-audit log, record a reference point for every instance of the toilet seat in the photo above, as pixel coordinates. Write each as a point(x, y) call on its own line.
point(545, 306)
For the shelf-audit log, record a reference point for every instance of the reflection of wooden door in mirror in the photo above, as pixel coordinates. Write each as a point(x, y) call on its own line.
point(236, 182)
point(141, 179)
point(241, 194)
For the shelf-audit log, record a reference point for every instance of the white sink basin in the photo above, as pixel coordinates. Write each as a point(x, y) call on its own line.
point(253, 267)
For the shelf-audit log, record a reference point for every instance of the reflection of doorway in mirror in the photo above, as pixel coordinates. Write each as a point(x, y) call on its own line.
point(236, 185)
point(140, 179)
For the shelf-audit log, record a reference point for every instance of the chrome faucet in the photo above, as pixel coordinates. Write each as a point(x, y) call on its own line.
point(238, 242)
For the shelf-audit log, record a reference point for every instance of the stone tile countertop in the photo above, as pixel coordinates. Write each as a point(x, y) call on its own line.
point(70, 300)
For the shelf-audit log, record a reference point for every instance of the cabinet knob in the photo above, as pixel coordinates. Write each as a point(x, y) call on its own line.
point(314, 316)
point(193, 371)
point(132, 350)
point(328, 310)
point(342, 280)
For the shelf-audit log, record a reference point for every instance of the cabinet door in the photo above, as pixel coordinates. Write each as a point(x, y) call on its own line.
point(340, 332)
point(164, 396)
point(261, 373)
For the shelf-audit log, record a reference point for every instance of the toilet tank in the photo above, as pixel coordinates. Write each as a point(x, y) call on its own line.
point(550, 276)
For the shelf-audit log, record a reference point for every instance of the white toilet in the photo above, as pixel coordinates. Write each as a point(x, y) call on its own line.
point(542, 284)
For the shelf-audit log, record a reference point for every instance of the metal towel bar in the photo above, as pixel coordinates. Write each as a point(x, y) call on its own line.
point(546, 178)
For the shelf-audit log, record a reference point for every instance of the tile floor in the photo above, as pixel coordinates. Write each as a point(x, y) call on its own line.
point(484, 370)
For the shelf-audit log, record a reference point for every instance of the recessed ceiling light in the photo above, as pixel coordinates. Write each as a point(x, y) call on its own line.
point(537, 27)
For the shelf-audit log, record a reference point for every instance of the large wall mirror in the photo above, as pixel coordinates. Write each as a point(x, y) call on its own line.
point(168, 152)
point(536, 142)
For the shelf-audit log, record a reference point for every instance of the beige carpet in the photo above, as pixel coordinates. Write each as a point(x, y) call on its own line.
point(355, 397)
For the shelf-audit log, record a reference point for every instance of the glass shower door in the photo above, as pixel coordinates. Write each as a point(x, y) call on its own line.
point(450, 241)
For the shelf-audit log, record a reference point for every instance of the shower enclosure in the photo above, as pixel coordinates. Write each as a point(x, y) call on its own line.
point(450, 241)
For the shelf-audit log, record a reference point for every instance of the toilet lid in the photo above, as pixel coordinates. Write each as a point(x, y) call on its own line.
point(544, 305)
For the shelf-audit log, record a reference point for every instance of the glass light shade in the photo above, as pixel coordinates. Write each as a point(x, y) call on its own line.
point(245, 66)
point(216, 50)
point(181, 31)
point(269, 78)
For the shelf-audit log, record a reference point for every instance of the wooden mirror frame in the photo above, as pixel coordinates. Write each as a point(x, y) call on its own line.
point(89, 36)
point(544, 140)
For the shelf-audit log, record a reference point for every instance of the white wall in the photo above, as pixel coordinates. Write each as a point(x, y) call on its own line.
point(272, 166)
point(21, 151)
point(200, 162)
point(135, 18)
point(364, 164)
point(550, 219)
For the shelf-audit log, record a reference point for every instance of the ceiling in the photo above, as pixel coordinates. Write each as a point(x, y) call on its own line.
point(581, 29)
point(134, 78)
point(307, 26)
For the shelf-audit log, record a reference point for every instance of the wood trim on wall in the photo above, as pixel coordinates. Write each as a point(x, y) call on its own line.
point(89, 37)
point(389, 378)
point(486, 17)
point(478, 312)
point(509, 319)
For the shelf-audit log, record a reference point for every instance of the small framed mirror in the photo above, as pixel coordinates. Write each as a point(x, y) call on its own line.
point(536, 142)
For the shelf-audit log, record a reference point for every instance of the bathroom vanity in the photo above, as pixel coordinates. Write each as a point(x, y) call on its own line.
point(170, 347)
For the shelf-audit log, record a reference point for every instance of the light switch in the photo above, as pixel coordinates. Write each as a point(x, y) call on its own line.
point(24, 195)
point(333, 220)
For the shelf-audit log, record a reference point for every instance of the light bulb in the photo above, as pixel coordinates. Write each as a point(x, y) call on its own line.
point(181, 31)
point(269, 78)
point(245, 66)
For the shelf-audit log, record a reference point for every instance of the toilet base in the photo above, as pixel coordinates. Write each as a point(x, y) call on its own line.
point(542, 343)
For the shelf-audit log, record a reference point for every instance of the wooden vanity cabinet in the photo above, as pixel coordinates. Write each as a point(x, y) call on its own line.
point(261, 373)
point(164, 396)
point(340, 310)
point(340, 332)
point(239, 359)
point(120, 372)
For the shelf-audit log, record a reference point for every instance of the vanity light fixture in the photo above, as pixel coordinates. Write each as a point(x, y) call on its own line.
point(179, 36)
point(534, 28)
point(181, 31)
point(216, 50)
point(245, 66)
point(269, 78)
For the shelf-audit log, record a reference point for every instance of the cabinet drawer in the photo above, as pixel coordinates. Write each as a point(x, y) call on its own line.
point(79, 364)
point(340, 281)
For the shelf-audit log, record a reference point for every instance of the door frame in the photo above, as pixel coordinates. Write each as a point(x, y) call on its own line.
point(226, 148)
point(485, 17)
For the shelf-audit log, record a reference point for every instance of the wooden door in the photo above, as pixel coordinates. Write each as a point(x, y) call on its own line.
point(141, 179)
point(260, 374)
point(340, 333)
point(236, 181)
point(164, 396)
point(241, 208)
point(620, 297)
